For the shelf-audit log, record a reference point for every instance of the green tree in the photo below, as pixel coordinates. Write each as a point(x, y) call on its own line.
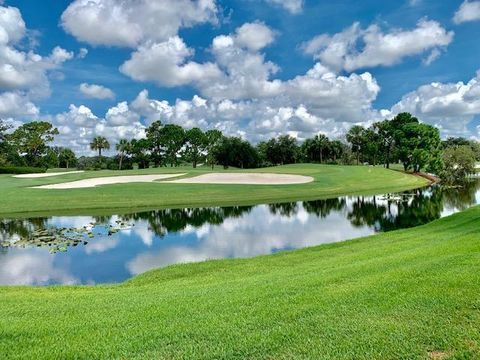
point(123, 147)
point(459, 163)
point(337, 149)
point(234, 151)
point(458, 141)
point(386, 139)
point(4, 127)
point(31, 139)
point(67, 158)
point(282, 150)
point(156, 142)
point(356, 137)
point(139, 150)
point(4, 146)
point(322, 142)
point(405, 135)
point(196, 144)
point(315, 149)
point(308, 150)
point(372, 145)
point(51, 157)
point(418, 145)
point(214, 137)
point(321, 149)
point(172, 140)
point(99, 143)
point(454, 142)
point(262, 154)
point(475, 145)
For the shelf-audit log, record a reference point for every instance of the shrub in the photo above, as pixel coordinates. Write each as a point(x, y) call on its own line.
point(21, 170)
point(91, 163)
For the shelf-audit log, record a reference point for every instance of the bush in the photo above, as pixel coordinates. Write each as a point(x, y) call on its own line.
point(103, 163)
point(21, 170)
point(91, 163)
point(85, 163)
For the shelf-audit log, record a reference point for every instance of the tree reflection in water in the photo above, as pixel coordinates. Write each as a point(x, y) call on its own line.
point(20, 227)
point(461, 198)
point(323, 208)
point(284, 209)
point(165, 221)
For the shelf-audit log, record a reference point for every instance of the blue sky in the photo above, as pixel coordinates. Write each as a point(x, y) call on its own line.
point(250, 68)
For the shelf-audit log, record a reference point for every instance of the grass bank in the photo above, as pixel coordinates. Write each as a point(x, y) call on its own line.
point(409, 294)
point(17, 198)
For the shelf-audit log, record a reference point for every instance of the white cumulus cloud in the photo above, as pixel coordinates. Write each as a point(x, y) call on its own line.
point(468, 11)
point(254, 36)
point(24, 74)
point(166, 64)
point(79, 125)
point(16, 104)
point(357, 48)
point(131, 23)
point(96, 91)
point(450, 106)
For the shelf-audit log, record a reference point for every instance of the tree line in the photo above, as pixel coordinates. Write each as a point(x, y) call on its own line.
point(28, 146)
point(402, 140)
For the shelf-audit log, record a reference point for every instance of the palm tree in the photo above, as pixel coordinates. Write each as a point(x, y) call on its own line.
point(336, 148)
point(122, 147)
point(99, 143)
point(356, 137)
point(322, 142)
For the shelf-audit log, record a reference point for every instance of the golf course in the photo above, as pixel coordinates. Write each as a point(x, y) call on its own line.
point(239, 180)
point(19, 197)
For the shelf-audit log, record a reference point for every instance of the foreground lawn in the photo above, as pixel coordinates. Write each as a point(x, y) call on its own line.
point(17, 198)
point(410, 294)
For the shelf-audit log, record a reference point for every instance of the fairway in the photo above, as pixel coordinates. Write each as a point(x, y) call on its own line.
point(409, 294)
point(18, 198)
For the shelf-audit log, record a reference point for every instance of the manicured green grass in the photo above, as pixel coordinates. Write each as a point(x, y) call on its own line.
point(409, 294)
point(17, 198)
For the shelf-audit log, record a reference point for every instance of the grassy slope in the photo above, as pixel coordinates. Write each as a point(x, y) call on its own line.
point(17, 197)
point(399, 295)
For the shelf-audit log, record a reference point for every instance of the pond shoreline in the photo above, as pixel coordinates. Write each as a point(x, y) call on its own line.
point(141, 241)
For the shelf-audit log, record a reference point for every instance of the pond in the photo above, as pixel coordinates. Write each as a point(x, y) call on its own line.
point(110, 249)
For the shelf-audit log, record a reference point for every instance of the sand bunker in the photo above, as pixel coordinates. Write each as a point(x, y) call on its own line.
point(212, 178)
point(88, 183)
point(246, 178)
point(42, 175)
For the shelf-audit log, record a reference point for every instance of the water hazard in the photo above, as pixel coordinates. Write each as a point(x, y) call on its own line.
point(109, 249)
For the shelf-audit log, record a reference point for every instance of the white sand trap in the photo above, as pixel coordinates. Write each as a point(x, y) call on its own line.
point(42, 175)
point(88, 183)
point(246, 178)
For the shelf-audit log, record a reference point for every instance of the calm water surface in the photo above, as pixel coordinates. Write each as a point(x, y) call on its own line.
point(90, 250)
